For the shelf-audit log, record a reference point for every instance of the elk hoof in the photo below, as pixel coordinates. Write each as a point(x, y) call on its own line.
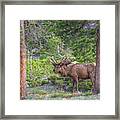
point(79, 93)
point(76, 93)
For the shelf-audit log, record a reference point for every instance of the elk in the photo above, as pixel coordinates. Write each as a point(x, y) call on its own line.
point(75, 71)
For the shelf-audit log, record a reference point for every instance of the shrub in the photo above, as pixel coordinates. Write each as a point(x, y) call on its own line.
point(44, 82)
point(37, 70)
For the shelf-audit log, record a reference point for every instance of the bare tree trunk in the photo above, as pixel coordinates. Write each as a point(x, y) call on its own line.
point(31, 76)
point(22, 62)
point(97, 83)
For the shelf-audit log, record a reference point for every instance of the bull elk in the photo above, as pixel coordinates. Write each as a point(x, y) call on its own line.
point(75, 71)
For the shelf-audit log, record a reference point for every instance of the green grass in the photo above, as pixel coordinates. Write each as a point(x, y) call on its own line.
point(40, 92)
point(61, 94)
point(87, 93)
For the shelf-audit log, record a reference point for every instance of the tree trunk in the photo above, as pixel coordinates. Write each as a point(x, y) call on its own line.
point(31, 76)
point(22, 62)
point(97, 83)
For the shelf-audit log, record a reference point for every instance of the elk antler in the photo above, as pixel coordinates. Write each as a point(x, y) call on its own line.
point(64, 58)
point(52, 60)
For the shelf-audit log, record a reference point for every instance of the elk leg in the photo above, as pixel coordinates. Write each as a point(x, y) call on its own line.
point(73, 86)
point(75, 82)
point(64, 86)
point(77, 85)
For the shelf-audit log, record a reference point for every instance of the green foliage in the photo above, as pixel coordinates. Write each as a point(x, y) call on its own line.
point(85, 85)
point(38, 71)
point(72, 38)
point(85, 50)
point(33, 83)
point(75, 39)
point(55, 79)
point(88, 93)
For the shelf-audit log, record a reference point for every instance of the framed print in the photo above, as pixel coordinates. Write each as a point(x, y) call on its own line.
point(60, 59)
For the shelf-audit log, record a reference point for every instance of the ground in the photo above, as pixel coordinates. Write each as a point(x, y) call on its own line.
point(51, 92)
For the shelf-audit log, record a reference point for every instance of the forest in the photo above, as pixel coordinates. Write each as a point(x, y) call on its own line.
point(41, 40)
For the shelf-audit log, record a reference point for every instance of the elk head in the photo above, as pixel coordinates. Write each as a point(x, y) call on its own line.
point(61, 67)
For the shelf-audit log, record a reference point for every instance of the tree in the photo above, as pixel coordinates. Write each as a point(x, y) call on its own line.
point(97, 83)
point(22, 62)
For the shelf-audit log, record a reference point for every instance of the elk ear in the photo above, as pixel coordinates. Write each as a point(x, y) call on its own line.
point(66, 61)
